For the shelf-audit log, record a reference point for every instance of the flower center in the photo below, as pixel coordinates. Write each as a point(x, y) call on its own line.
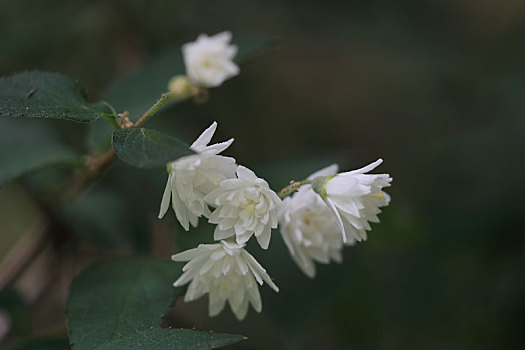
point(224, 286)
point(377, 195)
point(249, 208)
point(308, 218)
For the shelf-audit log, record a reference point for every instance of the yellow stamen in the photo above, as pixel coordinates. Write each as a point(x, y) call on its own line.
point(377, 195)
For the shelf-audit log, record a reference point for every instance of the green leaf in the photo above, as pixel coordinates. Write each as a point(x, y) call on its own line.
point(146, 148)
point(172, 339)
point(116, 299)
point(37, 94)
point(99, 137)
point(120, 304)
point(26, 146)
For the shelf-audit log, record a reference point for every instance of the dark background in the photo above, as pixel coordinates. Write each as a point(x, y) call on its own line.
point(435, 88)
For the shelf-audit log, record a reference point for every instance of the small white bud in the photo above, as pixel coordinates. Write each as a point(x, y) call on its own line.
point(180, 86)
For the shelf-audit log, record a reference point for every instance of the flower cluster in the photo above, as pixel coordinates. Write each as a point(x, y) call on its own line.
point(329, 211)
point(243, 205)
point(317, 216)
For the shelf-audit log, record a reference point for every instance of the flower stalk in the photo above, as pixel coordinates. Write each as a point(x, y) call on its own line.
point(292, 187)
point(165, 97)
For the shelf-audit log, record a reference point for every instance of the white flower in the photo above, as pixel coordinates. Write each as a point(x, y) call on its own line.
point(354, 197)
point(309, 228)
point(227, 272)
point(245, 206)
point(192, 177)
point(209, 60)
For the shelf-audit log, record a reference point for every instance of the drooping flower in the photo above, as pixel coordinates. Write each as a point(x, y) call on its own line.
point(227, 272)
point(354, 198)
point(309, 228)
point(209, 59)
point(244, 206)
point(192, 177)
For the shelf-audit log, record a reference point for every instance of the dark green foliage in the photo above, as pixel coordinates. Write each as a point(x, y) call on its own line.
point(103, 218)
point(28, 145)
point(145, 148)
point(37, 94)
point(172, 339)
point(120, 305)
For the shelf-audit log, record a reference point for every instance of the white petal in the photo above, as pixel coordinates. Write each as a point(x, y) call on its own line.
point(183, 279)
point(180, 210)
point(225, 37)
point(246, 174)
point(165, 202)
point(329, 170)
point(194, 252)
point(218, 147)
point(366, 168)
point(216, 304)
point(255, 297)
point(258, 271)
point(338, 218)
point(204, 138)
point(264, 238)
point(241, 312)
point(222, 234)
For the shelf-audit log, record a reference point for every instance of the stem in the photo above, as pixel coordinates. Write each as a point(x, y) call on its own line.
point(93, 168)
point(154, 109)
point(292, 187)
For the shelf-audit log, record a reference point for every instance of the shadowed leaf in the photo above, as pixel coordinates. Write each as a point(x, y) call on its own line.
point(146, 148)
point(37, 94)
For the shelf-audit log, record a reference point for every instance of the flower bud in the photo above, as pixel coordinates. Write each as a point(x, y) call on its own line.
point(180, 86)
point(319, 184)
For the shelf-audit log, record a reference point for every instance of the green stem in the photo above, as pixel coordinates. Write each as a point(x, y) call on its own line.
point(292, 187)
point(154, 109)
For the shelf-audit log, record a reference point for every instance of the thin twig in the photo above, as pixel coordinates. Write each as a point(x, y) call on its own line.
point(93, 166)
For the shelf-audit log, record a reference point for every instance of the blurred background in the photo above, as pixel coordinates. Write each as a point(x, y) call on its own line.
point(435, 88)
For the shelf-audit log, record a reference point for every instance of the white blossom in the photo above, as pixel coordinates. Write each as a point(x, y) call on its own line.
point(309, 228)
point(354, 198)
point(245, 206)
point(192, 177)
point(209, 59)
point(227, 272)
